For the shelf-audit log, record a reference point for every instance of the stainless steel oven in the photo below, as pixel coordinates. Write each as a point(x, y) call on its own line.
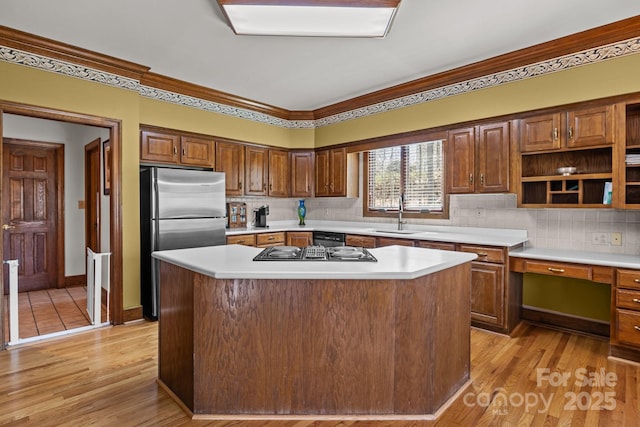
point(328, 239)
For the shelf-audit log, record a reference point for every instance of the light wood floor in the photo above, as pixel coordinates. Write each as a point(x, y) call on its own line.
point(49, 310)
point(107, 377)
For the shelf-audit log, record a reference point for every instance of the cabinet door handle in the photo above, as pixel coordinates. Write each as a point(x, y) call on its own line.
point(270, 187)
point(271, 238)
point(482, 253)
point(175, 150)
point(555, 134)
point(184, 152)
point(240, 185)
point(264, 187)
point(637, 328)
point(636, 280)
point(570, 132)
point(556, 270)
point(481, 179)
point(637, 300)
point(470, 178)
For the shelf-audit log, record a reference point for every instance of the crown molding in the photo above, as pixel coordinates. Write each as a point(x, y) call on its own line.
point(63, 52)
point(594, 45)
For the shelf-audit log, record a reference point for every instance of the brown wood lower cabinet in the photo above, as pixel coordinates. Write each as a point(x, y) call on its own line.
point(242, 239)
point(388, 241)
point(360, 241)
point(300, 239)
point(314, 347)
point(625, 315)
point(265, 240)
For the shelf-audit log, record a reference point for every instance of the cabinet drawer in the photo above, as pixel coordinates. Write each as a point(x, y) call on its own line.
point(485, 253)
point(269, 238)
point(628, 279)
point(628, 327)
point(576, 271)
point(361, 241)
point(628, 299)
point(444, 246)
point(242, 239)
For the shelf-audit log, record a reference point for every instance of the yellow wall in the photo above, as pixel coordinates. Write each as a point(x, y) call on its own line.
point(173, 116)
point(30, 86)
point(571, 296)
point(608, 78)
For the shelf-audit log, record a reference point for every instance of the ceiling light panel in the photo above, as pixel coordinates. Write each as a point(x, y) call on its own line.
point(311, 19)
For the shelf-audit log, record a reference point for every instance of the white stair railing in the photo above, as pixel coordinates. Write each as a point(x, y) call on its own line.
point(14, 330)
point(95, 284)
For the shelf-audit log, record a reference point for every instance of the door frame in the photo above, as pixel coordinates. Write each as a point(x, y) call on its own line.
point(59, 157)
point(96, 144)
point(115, 211)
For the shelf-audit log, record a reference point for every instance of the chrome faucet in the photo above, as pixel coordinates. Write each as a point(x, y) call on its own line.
point(400, 210)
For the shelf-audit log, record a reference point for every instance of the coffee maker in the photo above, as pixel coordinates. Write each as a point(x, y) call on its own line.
point(260, 216)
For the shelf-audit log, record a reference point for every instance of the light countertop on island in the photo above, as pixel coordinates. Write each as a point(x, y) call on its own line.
point(236, 262)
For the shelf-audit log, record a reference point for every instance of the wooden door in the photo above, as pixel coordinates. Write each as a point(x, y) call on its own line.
point(493, 158)
point(278, 173)
point(460, 164)
point(322, 173)
point(230, 160)
point(592, 126)
point(487, 293)
point(338, 172)
point(540, 133)
point(256, 171)
point(92, 195)
point(300, 239)
point(30, 210)
point(159, 147)
point(302, 174)
point(196, 151)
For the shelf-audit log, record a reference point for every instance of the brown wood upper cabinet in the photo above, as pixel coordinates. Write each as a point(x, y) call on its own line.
point(160, 147)
point(478, 159)
point(278, 173)
point(573, 129)
point(302, 171)
point(331, 172)
point(256, 171)
point(253, 170)
point(230, 160)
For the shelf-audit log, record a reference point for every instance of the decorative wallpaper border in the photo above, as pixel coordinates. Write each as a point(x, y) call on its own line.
point(68, 69)
point(589, 56)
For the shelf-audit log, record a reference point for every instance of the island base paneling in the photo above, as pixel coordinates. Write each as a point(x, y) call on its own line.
point(314, 347)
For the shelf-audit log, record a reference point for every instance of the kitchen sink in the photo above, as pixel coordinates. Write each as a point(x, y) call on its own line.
point(397, 231)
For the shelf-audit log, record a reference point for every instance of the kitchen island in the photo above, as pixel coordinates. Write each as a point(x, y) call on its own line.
point(244, 339)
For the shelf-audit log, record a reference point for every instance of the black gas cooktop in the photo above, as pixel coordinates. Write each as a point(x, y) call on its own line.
point(315, 253)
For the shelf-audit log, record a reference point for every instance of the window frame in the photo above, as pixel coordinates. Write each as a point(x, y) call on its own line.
point(402, 140)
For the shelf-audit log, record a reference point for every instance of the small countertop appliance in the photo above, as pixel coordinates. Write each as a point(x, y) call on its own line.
point(260, 216)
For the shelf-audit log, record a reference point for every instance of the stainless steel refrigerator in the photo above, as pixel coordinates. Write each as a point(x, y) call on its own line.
point(179, 208)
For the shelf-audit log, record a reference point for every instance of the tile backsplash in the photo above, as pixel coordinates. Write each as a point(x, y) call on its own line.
point(576, 229)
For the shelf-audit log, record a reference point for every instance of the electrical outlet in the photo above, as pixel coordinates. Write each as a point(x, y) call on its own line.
point(599, 238)
point(616, 239)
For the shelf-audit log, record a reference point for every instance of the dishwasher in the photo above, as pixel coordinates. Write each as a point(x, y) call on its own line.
point(328, 239)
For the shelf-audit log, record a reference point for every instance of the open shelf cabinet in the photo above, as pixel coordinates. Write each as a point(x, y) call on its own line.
point(631, 177)
point(543, 186)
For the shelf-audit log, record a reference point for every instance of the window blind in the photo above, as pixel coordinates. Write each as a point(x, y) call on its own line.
point(423, 176)
point(414, 171)
point(384, 177)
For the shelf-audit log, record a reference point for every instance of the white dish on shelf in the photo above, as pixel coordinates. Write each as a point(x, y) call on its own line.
point(567, 170)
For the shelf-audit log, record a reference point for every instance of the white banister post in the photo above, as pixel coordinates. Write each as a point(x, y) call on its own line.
point(14, 332)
